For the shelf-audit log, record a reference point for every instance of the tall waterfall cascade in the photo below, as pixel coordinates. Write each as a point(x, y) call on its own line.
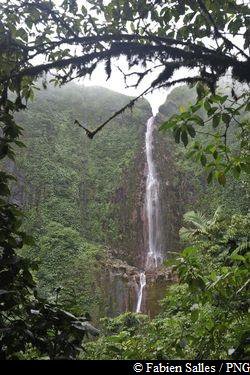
point(153, 214)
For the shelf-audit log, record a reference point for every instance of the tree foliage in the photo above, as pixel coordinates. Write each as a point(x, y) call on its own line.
point(205, 314)
point(223, 122)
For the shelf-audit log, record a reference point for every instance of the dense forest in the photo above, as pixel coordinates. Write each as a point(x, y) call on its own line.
point(124, 235)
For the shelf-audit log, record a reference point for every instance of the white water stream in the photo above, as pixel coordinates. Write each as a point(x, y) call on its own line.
point(140, 292)
point(153, 257)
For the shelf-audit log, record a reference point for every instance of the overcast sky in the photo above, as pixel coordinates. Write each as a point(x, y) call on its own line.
point(116, 83)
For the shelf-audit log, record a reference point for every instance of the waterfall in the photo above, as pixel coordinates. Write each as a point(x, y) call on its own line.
point(152, 205)
point(154, 257)
point(140, 293)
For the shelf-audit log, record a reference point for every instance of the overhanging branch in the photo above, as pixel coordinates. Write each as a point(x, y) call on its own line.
point(190, 80)
point(130, 105)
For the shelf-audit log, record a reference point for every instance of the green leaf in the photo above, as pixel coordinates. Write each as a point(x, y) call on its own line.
point(221, 178)
point(196, 107)
point(177, 133)
point(167, 125)
point(216, 98)
point(238, 257)
point(207, 105)
point(211, 111)
point(184, 137)
point(197, 119)
point(115, 349)
point(223, 99)
point(189, 251)
point(224, 270)
point(226, 118)
point(191, 130)
point(213, 276)
point(216, 120)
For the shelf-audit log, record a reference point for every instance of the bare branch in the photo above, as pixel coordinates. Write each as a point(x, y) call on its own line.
point(130, 105)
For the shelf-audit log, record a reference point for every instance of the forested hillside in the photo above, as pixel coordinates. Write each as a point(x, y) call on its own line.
point(84, 200)
point(73, 192)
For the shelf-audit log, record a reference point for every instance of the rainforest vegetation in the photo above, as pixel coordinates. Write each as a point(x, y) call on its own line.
point(73, 180)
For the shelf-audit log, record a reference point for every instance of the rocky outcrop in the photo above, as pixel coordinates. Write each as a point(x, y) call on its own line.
point(158, 281)
point(121, 283)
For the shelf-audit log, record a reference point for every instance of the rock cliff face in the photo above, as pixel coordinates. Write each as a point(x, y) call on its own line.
point(98, 188)
point(129, 200)
point(175, 194)
point(121, 283)
point(176, 190)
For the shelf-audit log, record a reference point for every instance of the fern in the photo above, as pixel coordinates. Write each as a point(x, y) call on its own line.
point(196, 219)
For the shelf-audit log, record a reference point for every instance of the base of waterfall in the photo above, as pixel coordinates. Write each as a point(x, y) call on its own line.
point(120, 283)
point(143, 283)
point(153, 288)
